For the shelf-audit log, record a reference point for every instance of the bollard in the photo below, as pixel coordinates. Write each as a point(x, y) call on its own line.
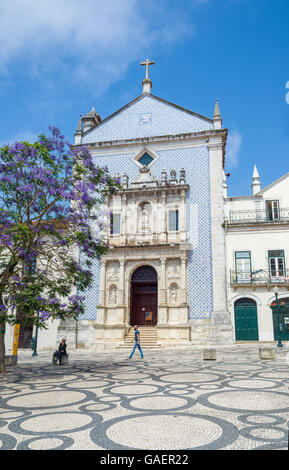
point(209, 354)
point(267, 353)
point(64, 360)
point(11, 360)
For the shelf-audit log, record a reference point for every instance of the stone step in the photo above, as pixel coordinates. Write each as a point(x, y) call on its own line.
point(144, 328)
point(142, 338)
point(130, 345)
point(152, 331)
point(148, 336)
point(142, 341)
point(143, 346)
point(144, 334)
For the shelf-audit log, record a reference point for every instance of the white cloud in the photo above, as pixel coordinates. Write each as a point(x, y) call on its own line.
point(92, 41)
point(233, 149)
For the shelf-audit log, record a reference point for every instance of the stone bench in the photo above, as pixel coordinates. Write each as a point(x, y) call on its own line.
point(209, 354)
point(64, 360)
point(11, 360)
point(267, 353)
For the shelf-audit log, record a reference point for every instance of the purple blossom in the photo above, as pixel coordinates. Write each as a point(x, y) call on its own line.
point(46, 210)
point(44, 316)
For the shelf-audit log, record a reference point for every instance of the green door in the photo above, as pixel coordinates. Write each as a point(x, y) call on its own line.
point(246, 322)
point(281, 320)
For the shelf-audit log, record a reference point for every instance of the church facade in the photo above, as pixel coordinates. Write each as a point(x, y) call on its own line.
point(166, 266)
point(187, 263)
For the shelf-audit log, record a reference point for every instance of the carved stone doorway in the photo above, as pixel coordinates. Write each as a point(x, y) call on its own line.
point(144, 296)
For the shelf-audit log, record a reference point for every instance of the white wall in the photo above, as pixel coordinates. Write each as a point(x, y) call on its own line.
point(258, 239)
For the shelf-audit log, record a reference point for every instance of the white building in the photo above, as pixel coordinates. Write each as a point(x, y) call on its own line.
point(257, 250)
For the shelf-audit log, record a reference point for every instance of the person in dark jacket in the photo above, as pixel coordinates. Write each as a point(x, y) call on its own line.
point(61, 350)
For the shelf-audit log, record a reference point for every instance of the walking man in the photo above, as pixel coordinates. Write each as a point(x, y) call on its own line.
point(136, 342)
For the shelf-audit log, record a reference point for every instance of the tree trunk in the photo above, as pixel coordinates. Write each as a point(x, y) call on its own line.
point(2, 348)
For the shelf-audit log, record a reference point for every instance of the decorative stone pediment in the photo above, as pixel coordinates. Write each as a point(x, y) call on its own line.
point(144, 179)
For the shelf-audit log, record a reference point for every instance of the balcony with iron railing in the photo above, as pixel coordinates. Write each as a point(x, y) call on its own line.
point(259, 277)
point(258, 216)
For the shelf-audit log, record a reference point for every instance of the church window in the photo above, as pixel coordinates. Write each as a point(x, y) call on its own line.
point(114, 223)
point(173, 221)
point(146, 159)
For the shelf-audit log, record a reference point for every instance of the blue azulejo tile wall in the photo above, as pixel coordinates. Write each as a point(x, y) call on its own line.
point(148, 116)
point(195, 160)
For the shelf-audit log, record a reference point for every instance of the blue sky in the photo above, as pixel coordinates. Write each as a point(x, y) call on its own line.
point(60, 57)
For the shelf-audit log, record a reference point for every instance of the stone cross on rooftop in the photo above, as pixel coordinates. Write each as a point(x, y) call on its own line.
point(147, 63)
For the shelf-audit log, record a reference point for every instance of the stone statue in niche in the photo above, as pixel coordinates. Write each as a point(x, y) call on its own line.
point(144, 217)
point(112, 295)
point(174, 293)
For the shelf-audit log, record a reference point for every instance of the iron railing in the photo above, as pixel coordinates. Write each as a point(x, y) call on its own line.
point(258, 216)
point(260, 276)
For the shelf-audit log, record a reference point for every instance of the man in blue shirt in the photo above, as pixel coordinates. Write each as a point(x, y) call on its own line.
point(136, 342)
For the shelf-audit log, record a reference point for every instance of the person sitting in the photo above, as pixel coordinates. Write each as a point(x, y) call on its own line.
point(61, 350)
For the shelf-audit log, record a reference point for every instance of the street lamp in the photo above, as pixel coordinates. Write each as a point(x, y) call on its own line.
point(34, 340)
point(276, 292)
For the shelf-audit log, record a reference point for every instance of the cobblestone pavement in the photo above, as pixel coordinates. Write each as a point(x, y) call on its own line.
point(170, 400)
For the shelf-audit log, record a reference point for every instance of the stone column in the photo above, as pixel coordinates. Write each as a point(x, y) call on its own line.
point(163, 287)
point(102, 283)
point(162, 302)
point(134, 217)
point(106, 230)
point(129, 217)
point(182, 228)
point(154, 221)
point(221, 322)
point(163, 219)
point(123, 217)
point(183, 279)
point(121, 282)
point(102, 290)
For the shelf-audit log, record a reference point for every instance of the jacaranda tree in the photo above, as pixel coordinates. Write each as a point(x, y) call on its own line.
point(50, 194)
